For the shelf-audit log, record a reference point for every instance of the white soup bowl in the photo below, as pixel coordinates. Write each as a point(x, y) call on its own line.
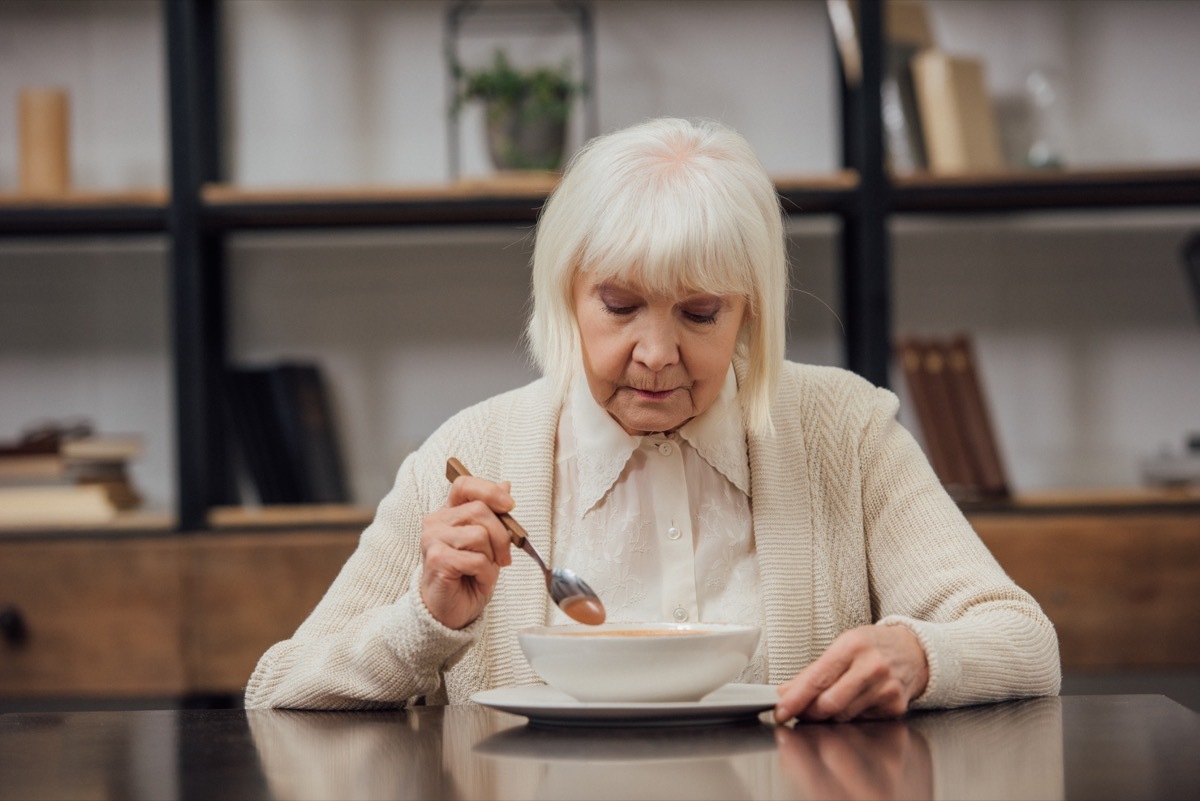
point(639, 662)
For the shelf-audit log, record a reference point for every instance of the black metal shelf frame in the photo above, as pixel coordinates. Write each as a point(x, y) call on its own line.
point(83, 220)
point(197, 261)
point(1141, 190)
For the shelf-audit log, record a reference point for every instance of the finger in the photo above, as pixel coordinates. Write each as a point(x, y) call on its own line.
point(854, 691)
point(451, 565)
point(496, 497)
point(796, 695)
point(474, 526)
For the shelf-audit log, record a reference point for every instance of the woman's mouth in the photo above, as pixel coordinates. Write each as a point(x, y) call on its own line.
point(650, 394)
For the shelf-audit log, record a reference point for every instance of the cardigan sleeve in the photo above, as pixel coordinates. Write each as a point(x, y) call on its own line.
point(985, 638)
point(370, 642)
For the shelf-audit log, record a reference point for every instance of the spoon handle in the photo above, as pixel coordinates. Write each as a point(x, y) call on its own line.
point(454, 469)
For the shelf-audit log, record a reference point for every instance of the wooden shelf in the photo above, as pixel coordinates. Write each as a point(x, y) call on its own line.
point(817, 194)
point(507, 198)
point(79, 212)
point(517, 198)
point(1050, 189)
point(140, 523)
point(229, 518)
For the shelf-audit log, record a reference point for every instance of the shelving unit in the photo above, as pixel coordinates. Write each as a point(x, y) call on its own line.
point(248, 551)
point(199, 212)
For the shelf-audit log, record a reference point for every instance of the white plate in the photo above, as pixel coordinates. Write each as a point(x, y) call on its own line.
point(542, 704)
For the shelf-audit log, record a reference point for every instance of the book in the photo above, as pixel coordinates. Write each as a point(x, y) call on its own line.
point(258, 438)
point(907, 32)
point(931, 381)
point(283, 422)
point(974, 419)
point(947, 396)
point(32, 468)
point(82, 504)
point(910, 352)
point(101, 448)
point(302, 406)
point(958, 119)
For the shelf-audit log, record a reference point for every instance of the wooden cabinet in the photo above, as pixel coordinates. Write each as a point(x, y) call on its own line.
point(248, 591)
point(1120, 587)
point(156, 616)
point(92, 617)
point(163, 615)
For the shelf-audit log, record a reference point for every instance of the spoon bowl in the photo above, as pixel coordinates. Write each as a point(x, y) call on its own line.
point(571, 593)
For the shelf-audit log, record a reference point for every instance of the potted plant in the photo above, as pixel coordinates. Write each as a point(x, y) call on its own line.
point(526, 111)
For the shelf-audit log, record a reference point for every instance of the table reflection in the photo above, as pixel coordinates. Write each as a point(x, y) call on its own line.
point(693, 762)
point(1012, 750)
point(322, 755)
point(886, 759)
point(1009, 750)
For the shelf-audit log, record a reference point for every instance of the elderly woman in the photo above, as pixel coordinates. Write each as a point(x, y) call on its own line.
point(672, 457)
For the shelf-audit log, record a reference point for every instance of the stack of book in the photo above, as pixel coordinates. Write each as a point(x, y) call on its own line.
point(283, 424)
point(55, 477)
point(947, 395)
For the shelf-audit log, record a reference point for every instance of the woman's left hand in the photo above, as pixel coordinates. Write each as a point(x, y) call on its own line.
point(868, 672)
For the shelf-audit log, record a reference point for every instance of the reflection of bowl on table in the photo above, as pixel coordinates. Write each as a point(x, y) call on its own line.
point(628, 744)
point(639, 662)
point(697, 763)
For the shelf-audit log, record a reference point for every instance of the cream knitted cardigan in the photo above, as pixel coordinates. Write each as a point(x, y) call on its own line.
point(851, 526)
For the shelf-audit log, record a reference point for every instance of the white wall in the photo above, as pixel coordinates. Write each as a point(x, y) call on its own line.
point(1091, 352)
point(109, 55)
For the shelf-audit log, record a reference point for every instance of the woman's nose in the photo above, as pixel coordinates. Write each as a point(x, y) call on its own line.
point(657, 345)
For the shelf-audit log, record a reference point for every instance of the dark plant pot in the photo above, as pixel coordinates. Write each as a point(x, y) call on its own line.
point(519, 139)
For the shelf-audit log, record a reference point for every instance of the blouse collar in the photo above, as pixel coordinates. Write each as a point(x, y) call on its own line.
point(603, 448)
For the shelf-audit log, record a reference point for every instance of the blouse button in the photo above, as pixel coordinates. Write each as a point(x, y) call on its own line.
point(664, 448)
point(673, 533)
point(680, 614)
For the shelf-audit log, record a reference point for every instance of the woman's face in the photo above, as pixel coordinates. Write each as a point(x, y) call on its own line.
point(652, 361)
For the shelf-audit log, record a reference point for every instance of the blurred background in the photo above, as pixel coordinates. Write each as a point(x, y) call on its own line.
point(1085, 329)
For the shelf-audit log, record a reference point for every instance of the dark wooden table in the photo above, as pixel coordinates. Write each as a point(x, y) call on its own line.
point(1085, 747)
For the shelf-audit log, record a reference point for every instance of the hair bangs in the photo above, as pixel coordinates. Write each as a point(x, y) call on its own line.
point(679, 236)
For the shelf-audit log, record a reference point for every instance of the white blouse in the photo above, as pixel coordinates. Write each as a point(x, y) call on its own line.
point(659, 525)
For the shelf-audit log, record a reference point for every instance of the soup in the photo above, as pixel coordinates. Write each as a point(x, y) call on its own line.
point(631, 633)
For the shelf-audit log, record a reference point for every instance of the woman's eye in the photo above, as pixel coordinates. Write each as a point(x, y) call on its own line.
point(620, 311)
point(701, 316)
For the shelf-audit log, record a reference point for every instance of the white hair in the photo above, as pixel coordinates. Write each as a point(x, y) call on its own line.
point(667, 205)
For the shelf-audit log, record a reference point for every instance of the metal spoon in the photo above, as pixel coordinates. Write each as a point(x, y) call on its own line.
point(569, 591)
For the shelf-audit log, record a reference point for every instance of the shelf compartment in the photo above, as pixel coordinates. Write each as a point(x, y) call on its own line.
point(125, 212)
point(1052, 189)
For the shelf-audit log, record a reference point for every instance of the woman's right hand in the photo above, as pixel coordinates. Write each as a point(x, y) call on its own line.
point(463, 546)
